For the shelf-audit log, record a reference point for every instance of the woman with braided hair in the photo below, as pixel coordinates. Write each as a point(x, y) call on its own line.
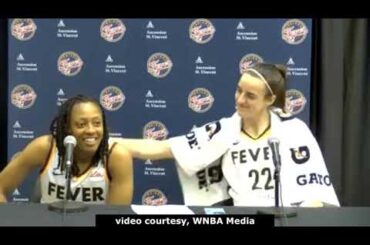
point(101, 173)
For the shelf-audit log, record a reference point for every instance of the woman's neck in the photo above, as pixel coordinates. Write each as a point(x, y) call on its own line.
point(82, 156)
point(83, 162)
point(255, 127)
point(83, 159)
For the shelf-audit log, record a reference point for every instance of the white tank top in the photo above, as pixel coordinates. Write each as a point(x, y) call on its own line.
point(90, 186)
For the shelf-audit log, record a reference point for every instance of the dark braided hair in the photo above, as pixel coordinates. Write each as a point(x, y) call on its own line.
point(59, 129)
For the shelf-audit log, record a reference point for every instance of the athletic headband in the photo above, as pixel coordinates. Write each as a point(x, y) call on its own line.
point(262, 78)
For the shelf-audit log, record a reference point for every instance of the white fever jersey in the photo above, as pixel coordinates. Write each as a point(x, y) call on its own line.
point(249, 170)
point(208, 186)
point(90, 187)
point(247, 166)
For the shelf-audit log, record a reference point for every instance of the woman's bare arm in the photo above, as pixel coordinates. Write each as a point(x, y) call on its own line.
point(146, 148)
point(33, 155)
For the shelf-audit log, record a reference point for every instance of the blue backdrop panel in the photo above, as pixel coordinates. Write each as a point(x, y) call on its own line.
point(155, 78)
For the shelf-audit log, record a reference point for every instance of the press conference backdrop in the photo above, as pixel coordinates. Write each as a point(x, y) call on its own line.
point(155, 78)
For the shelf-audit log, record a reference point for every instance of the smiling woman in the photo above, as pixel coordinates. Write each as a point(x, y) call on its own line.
point(101, 173)
point(237, 156)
